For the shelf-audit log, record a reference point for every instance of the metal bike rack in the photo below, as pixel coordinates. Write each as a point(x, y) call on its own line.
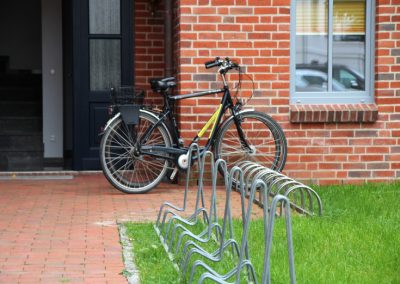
point(303, 198)
point(168, 208)
point(269, 222)
point(212, 223)
point(256, 185)
point(242, 255)
point(225, 242)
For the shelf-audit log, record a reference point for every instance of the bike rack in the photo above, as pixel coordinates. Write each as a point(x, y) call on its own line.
point(211, 222)
point(168, 208)
point(303, 198)
point(256, 184)
point(226, 238)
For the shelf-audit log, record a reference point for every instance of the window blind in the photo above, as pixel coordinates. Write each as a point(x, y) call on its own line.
point(348, 17)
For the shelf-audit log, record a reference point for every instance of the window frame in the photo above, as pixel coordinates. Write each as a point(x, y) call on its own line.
point(366, 96)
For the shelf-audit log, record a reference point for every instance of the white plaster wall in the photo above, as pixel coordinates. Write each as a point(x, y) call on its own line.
point(52, 78)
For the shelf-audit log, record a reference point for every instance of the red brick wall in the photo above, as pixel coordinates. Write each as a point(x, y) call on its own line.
point(256, 33)
point(149, 47)
point(385, 147)
point(251, 32)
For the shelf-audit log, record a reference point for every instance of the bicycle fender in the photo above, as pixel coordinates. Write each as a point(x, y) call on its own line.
point(239, 113)
point(118, 115)
point(111, 120)
point(115, 117)
point(150, 113)
point(247, 110)
point(231, 117)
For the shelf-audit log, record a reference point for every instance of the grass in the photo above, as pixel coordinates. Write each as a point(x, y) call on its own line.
point(357, 240)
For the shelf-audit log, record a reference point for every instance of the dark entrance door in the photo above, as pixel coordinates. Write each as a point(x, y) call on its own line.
point(102, 57)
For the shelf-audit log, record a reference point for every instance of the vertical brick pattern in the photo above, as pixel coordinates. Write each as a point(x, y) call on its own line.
point(257, 34)
point(149, 47)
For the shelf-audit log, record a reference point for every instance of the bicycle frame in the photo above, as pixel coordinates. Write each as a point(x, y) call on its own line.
point(215, 121)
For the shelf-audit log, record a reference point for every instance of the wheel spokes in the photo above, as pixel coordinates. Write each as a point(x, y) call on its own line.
point(123, 160)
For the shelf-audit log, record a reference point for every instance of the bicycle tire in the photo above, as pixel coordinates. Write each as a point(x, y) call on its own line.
point(264, 135)
point(122, 165)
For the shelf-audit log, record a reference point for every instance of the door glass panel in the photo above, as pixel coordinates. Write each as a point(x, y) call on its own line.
point(349, 44)
point(311, 45)
point(105, 64)
point(104, 16)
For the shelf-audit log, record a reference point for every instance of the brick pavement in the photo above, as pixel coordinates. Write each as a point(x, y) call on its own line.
point(65, 231)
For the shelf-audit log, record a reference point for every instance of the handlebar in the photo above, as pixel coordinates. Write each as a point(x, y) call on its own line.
point(225, 64)
point(212, 63)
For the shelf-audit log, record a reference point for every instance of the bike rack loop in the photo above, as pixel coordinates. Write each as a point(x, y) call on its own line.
point(213, 221)
point(169, 208)
point(284, 185)
point(243, 260)
point(193, 219)
point(224, 242)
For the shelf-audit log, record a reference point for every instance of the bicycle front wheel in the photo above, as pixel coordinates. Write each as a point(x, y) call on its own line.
point(123, 165)
point(265, 137)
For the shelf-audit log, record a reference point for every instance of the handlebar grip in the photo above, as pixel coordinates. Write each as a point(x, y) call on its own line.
point(211, 64)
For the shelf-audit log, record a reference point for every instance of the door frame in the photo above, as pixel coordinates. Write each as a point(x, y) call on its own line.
point(80, 78)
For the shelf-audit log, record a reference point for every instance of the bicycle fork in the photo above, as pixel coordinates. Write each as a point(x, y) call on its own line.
point(243, 141)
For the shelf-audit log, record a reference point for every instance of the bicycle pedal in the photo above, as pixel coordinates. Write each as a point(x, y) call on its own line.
point(173, 175)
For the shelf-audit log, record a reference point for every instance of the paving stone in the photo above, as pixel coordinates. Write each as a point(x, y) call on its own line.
point(65, 231)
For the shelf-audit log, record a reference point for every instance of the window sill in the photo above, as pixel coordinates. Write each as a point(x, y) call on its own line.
point(333, 113)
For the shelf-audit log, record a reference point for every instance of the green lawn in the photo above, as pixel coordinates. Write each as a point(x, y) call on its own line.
point(357, 240)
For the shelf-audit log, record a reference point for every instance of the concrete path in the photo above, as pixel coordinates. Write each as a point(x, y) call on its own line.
point(64, 230)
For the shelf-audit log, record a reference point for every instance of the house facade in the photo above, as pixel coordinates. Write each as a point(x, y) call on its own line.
point(327, 70)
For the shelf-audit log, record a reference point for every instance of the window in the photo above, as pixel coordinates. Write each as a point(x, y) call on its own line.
point(331, 48)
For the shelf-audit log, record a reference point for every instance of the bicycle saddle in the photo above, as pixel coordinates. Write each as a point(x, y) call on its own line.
point(162, 84)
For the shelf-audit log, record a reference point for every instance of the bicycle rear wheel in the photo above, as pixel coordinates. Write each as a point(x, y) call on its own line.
point(123, 165)
point(267, 141)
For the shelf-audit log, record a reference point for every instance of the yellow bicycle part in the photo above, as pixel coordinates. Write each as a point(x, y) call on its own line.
point(212, 121)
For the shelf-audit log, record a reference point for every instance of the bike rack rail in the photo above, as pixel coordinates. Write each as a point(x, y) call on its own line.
point(168, 208)
point(256, 184)
point(303, 198)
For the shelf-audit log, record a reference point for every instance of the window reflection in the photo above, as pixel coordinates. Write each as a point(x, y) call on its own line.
point(311, 45)
point(348, 45)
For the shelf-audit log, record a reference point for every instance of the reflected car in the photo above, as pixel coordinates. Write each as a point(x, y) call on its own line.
point(343, 77)
point(309, 80)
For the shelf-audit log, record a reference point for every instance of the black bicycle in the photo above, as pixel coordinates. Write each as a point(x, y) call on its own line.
point(141, 145)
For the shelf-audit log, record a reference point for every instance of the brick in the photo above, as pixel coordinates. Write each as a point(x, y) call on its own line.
point(384, 77)
point(359, 174)
point(311, 158)
point(386, 27)
point(222, 2)
point(241, 11)
point(330, 166)
point(366, 133)
point(341, 150)
point(317, 150)
point(386, 174)
point(372, 158)
point(204, 10)
point(323, 174)
point(378, 166)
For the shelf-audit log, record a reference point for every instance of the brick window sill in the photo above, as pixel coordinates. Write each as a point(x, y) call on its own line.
point(333, 113)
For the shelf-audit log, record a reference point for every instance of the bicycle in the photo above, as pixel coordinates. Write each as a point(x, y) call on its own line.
point(140, 144)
